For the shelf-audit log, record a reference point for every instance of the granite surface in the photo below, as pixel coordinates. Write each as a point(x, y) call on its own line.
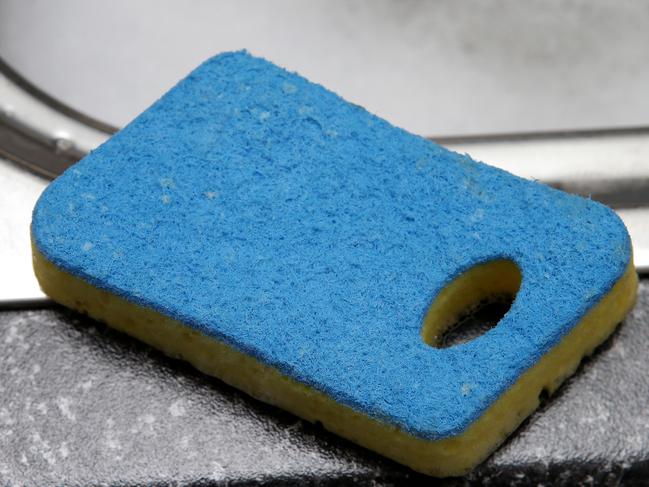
point(81, 404)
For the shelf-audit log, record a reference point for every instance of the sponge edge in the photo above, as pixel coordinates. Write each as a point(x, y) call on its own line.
point(250, 212)
point(445, 457)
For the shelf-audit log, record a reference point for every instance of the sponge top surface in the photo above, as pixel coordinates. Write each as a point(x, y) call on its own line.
point(267, 212)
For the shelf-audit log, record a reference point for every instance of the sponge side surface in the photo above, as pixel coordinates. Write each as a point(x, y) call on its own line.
point(264, 211)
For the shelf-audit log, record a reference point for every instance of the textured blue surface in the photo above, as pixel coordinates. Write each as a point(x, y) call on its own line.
point(266, 211)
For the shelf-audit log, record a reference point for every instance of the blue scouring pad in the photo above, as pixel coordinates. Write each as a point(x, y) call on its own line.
point(254, 212)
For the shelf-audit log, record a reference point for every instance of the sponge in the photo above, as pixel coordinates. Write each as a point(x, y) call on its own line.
point(311, 254)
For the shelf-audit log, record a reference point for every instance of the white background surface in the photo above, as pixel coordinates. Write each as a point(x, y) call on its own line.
point(434, 67)
point(19, 190)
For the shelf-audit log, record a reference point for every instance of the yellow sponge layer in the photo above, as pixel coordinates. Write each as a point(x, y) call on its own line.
point(479, 283)
point(446, 457)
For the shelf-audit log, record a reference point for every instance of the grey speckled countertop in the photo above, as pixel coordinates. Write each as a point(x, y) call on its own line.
point(84, 405)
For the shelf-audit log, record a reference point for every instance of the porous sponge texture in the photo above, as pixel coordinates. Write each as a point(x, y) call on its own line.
point(265, 212)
